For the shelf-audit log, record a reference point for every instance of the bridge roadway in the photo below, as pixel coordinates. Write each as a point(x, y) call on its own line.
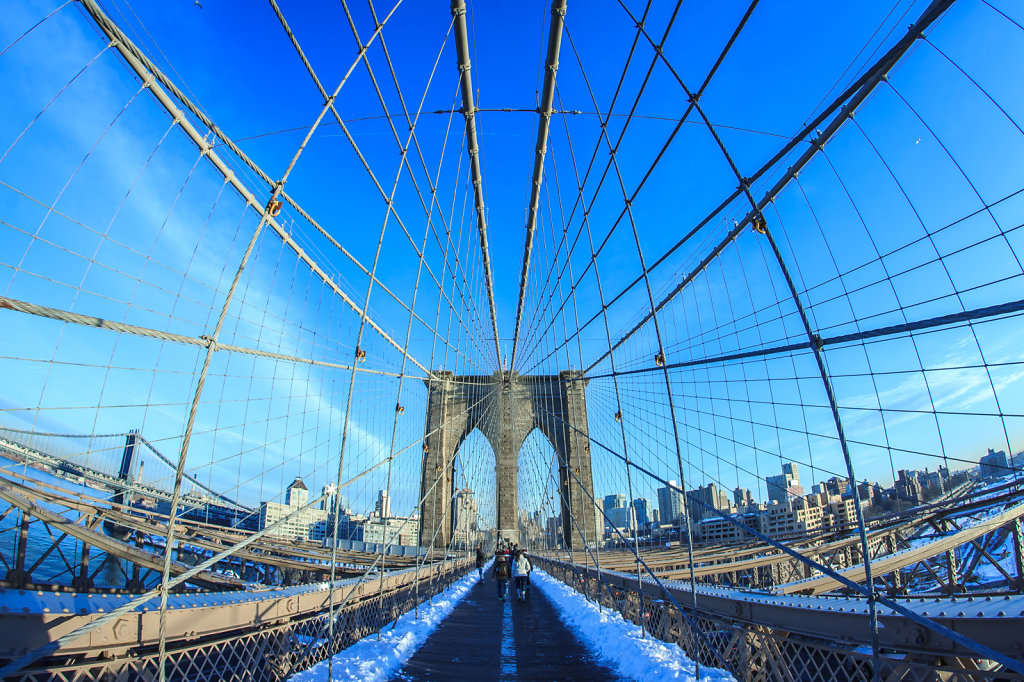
point(486, 639)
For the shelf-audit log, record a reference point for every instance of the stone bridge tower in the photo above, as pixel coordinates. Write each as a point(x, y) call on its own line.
point(506, 407)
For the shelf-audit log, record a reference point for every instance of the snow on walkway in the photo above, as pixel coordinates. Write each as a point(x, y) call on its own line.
point(616, 641)
point(371, 659)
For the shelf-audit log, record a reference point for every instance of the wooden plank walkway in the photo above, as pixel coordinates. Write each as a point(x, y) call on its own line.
point(487, 639)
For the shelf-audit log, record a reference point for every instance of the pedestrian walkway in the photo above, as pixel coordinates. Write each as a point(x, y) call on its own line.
point(487, 639)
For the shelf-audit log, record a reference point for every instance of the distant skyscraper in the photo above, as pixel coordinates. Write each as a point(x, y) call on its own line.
point(599, 522)
point(327, 499)
point(670, 504)
point(742, 497)
point(383, 508)
point(642, 507)
point(994, 464)
point(297, 494)
point(309, 524)
point(623, 518)
point(616, 501)
point(908, 487)
point(786, 486)
point(705, 498)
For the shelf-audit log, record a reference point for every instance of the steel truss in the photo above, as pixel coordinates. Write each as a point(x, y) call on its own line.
point(266, 639)
point(766, 615)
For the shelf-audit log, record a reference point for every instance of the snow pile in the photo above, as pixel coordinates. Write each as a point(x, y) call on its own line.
point(616, 641)
point(371, 659)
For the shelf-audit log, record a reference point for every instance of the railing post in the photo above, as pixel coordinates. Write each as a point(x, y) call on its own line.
point(1018, 551)
point(952, 569)
point(82, 580)
point(18, 575)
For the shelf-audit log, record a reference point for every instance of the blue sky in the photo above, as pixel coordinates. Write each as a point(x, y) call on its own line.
point(888, 225)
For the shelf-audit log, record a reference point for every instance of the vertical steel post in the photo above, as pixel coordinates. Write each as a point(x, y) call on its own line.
point(18, 575)
point(1018, 552)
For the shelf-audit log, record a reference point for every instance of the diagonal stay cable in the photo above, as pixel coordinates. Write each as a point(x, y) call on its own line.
point(684, 119)
point(366, 166)
point(129, 52)
point(150, 73)
point(471, 308)
point(547, 102)
point(846, 104)
point(458, 8)
point(580, 200)
point(403, 148)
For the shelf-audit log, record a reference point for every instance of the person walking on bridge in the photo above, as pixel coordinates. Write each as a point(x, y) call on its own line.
point(522, 570)
point(502, 572)
point(480, 561)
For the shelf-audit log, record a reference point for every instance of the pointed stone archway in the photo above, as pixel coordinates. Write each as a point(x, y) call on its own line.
point(506, 407)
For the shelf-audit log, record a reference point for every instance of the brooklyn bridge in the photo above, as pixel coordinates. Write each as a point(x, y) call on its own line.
point(538, 340)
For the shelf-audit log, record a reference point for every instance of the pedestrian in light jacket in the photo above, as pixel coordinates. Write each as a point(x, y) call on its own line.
point(522, 570)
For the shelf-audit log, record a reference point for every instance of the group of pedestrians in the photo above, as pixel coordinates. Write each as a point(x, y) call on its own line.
point(511, 562)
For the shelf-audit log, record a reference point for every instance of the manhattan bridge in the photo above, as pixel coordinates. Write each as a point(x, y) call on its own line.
point(714, 308)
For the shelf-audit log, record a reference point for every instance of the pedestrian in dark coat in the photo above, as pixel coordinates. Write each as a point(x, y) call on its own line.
point(480, 561)
point(502, 572)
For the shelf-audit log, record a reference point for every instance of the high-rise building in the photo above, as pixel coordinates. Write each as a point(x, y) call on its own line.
point(908, 487)
point(933, 483)
point(786, 486)
point(623, 518)
point(297, 494)
point(1016, 461)
point(670, 504)
point(393, 530)
point(327, 499)
point(616, 501)
point(307, 524)
point(383, 507)
point(742, 497)
point(994, 464)
point(701, 501)
point(553, 531)
point(642, 509)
